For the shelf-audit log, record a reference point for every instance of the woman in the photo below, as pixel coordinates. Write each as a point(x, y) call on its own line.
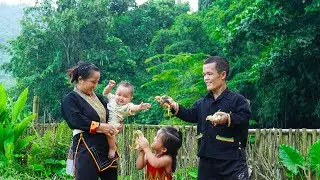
point(86, 113)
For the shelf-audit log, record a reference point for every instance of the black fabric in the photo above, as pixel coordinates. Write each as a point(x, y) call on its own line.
point(78, 113)
point(86, 168)
point(218, 169)
point(208, 144)
point(98, 147)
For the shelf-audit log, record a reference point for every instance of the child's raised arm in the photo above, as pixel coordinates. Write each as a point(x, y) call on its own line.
point(141, 160)
point(156, 162)
point(109, 87)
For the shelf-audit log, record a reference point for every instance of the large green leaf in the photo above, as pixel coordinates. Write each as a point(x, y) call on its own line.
point(20, 127)
point(5, 116)
point(9, 146)
point(37, 167)
point(3, 99)
point(22, 143)
point(2, 137)
point(314, 157)
point(19, 105)
point(193, 173)
point(291, 158)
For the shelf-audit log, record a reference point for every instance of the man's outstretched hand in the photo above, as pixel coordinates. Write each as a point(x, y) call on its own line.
point(167, 102)
point(219, 118)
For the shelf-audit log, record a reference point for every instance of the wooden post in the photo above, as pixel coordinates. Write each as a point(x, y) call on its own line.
point(314, 136)
point(290, 137)
point(35, 108)
point(280, 138)
point(256, 150)
point(304, 148)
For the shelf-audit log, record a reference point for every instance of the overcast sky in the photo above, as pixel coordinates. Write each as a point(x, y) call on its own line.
point(16, 2)
point(193, 3)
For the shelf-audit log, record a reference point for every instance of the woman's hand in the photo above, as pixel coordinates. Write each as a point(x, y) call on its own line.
point(120, 128)
point(143, 142)
point(107, 129)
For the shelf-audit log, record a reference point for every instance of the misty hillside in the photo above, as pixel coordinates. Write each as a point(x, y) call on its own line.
point(9, 29)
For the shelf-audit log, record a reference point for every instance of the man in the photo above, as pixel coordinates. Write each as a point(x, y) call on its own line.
point(221, 141)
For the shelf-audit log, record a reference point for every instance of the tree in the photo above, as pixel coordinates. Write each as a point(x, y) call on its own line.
point(56, 38)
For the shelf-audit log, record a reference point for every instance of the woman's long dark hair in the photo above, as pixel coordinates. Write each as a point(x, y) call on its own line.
point(172, 141)
point(83, 69)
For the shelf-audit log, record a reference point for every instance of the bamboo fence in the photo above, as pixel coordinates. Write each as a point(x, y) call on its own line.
point(262, 149)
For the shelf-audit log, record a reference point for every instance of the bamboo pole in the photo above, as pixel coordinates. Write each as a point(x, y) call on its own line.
point(314, 136)
point(266, 143)
point(290, 137)
point(255, 150)
point(35, 109)
point(296, 139)
point(269, 146)
point(304, 142)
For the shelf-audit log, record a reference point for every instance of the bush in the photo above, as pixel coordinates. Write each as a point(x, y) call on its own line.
point(48, 154)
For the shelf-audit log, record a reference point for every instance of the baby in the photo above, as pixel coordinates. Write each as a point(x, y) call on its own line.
point(120, 107)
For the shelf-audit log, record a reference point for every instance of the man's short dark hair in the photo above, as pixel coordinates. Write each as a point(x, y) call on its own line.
point(221, 64)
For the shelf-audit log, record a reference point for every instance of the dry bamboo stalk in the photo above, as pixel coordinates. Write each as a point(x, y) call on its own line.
point(280, 137)
point(275, 149)
point(297, 137)
point(264, 145)
point(290, 137)
point(304, 142)
point(183, 130)
point(258, 147)
point(314, 136)
point(35, 109)
point(270, 146)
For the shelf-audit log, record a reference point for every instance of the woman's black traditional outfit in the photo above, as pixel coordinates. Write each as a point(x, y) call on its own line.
point(83, 114)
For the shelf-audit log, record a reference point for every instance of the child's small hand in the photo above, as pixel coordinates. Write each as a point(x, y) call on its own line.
point(140, 149)
point(144, 106)
point(112, 83)
point(143, 142)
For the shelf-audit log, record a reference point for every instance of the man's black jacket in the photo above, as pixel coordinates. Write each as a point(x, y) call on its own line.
point(220, 142)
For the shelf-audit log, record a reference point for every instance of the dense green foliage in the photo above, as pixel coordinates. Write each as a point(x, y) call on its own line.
point(41, 156)
point(47, 156)
point(54, 39)
point(272, 46)
point(12, 124)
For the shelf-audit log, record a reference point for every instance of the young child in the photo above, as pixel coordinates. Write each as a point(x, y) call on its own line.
point(120, 107)
point(162, 163)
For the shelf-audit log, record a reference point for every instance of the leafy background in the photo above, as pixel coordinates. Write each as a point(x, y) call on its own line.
point(272, 45)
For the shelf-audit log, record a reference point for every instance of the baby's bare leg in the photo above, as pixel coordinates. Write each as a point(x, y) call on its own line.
point(112, 146)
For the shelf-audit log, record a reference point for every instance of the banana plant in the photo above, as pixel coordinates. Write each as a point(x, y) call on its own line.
point(299, 166)
point(12, 126)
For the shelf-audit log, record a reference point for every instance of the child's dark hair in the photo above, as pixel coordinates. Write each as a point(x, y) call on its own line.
point(127, 85)
point(83, 69)
point(172, 141)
